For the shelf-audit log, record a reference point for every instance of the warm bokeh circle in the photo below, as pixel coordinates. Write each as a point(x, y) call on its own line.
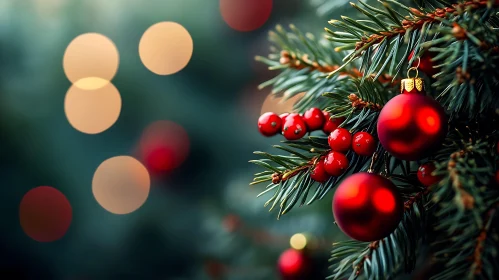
point(166, 48)
point(245, 15)
point(92, 108)
point(91, 55)
point(121, 184)
point(45, 214)
point(280, 105)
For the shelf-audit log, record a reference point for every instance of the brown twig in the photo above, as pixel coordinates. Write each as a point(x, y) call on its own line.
point(358, 103)
point(286, 175)
point(304, 61)
point(482, 237)
point(467, 199)
point(423, 18)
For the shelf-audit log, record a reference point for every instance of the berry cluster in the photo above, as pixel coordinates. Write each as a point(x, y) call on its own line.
point(294, 126)
point(335, 162)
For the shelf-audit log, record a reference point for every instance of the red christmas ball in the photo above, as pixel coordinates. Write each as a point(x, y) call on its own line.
point(331, 123)
point(364, 144)
point(294, 128)
point(340, 140)
point(293, 265)
point(411, 126)
point(335, 163)
point(314, 118)
point(367, 207)
point(269, 124)
point(319, 173)
point(425, 174)
point(426, 64)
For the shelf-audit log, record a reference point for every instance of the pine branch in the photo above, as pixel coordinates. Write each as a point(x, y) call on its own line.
point(482, 251)
point(464, 204)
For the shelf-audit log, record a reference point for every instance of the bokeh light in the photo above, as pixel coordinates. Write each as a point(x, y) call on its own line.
point(121, 184)
point(92, 110)
point(166, 48)
point(280, 105)
point(245, 15)
point(164, 145)
point(91, 55)
point(298, 241)
point(45, 214)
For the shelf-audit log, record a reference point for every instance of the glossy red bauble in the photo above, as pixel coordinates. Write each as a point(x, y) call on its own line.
point(335, 163)
point(426, 64)
point(331, 124)
point(294, 127)
point(411, 126)
point(269, 124)
point(314, 118)
point(364, 144)
point(340, 140)
point(293, 265)
point(319, 173)
point(367, 207)
point(425, 174)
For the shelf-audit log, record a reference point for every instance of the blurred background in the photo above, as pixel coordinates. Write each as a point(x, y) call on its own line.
point(148, 164)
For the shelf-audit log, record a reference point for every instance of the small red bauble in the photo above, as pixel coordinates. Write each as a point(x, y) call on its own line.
point(331, 123)
point(425, 174)
point(364, 144)
point(314, 118)
point(367, 207)
point(269, 124)
point(293, 265)
point(340, 140)
point(426, 64)
point(294, 128)
point(335, 163)
point(319, 173)
point(411, 125)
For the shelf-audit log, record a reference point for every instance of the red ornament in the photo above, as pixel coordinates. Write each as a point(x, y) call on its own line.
point(331, 123)
point(294, 128)
point(367, 207)
point(293, 265)
point(335, 163)
point(314, 118)
point(269, 124)
point(411, 126)
point(319, 173)
point(425, 174)
point(340, 140)
point(425, 64)
point(364, 144)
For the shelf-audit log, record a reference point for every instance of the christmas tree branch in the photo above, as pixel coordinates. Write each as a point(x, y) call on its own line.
point(477, 267)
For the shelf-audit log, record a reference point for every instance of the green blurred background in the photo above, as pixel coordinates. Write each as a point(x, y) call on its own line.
point(178, 233)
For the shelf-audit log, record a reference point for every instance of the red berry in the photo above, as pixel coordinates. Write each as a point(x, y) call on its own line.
point(294, 128)
point(269, 124)
point(331, 124)
point(340, 140)
point(283, 117)
point(314, 118)
point(335, 163)
point(363, 144)
point(319, 174)
point(425, 174)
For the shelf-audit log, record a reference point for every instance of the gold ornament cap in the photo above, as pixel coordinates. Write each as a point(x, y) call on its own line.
point(412, 85)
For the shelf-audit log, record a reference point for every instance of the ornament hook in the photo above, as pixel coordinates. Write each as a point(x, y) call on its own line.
point(415, 68)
